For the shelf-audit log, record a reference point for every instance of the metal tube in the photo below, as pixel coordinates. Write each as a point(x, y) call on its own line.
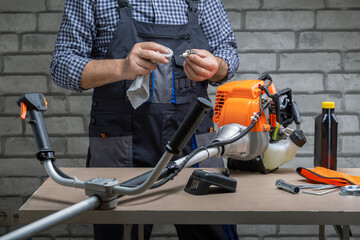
point(149, 182)
point(60, 180)
point(200, 156)
point(53, 219)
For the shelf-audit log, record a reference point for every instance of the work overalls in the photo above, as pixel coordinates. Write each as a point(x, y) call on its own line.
point(123, 137)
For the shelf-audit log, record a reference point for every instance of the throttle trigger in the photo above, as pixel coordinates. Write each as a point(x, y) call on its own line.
point(23, 108)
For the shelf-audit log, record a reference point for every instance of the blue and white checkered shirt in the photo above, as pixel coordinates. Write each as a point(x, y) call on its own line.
point(88, 27)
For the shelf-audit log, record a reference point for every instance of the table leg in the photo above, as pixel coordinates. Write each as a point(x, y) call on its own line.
point(321, 232)
point(346, 232)
point(127, 231)
point(141, 231)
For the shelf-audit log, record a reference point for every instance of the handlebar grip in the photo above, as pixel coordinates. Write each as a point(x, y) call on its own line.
point(188, 126)
point(36, 104)
point(296, 113)
point(38, 127)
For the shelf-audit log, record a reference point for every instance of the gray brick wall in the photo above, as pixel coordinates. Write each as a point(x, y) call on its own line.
point(311, 46)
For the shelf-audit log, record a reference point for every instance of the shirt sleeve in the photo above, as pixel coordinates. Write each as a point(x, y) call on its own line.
point(74, 44)
point(217, 29)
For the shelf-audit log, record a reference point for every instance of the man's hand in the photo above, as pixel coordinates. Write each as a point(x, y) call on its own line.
point(143, 58)
point(203, 65)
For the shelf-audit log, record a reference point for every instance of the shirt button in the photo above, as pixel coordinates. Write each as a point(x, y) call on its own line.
point(156, 4)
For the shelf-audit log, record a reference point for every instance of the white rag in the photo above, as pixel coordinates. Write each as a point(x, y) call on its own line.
point(138, 92)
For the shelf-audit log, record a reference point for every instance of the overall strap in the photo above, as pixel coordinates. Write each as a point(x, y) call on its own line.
point(124, 3)
point(193, 5)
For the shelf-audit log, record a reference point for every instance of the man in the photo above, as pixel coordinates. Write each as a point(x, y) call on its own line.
point(105, 44)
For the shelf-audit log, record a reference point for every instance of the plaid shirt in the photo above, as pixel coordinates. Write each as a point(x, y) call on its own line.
point(89, 25)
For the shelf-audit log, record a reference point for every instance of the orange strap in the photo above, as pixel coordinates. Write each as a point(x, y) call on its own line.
point(328, 176)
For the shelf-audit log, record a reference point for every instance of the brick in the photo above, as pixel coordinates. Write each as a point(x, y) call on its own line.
point(286, 237)
point(299, 82)
point(18, 22)
point(81, 229)
point(299, 229)
point(306, 162)
point(338, 19)
point(343, 3)
point(19, 186)
point(10, 126)
point(307, 125)
point(65, 125)
point(10, 104)
point(20, 145)
point(41, 238)
point(329, 40)
point(265, 40)
point(239, 5)
point(58, 230)
point(160, 229)
point(80, 104)
point(165, 238)
point(235, 20)
point(27, 63)
point(78, 145)
point(352, 103)
point(50, 22)
point(352, 61)
point(310, 61)
point(239, 76)
point(347, 123)
point(22, 5)
point(56, 105)
point(39, 42)
point(13, 202)
point(55, 5)
point(313, 103)
point(266, 20)
point(22, 84)
point(67, 162)
point(350, 144)
point(27, 146)
point(348, 162)
point(257, 62)
point(25, 167)
point(293, 4)
point(261, 230)
point(9, 43)
point(344, 82)
point(74, 238)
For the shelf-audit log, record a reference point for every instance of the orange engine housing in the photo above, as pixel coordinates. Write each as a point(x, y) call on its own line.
point(237, 101)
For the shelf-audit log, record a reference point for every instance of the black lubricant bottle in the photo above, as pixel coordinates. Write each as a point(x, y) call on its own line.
point(326, 128)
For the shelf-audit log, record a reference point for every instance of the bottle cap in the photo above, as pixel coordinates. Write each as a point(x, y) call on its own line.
point(328, 105)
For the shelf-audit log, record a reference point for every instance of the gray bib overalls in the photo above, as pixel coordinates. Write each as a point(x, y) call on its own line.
point(123, 137)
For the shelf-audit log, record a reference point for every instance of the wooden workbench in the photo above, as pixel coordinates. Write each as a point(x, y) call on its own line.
point(256, 201)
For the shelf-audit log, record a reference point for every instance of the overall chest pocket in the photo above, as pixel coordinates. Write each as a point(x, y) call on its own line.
point(185, 89)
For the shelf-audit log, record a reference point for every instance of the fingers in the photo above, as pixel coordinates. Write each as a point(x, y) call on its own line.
point(204, 59)
point(192, 74)
point(152, 51)
point(200, 66)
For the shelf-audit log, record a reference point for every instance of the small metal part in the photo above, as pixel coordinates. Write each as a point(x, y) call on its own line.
point(281, 184)
point(316, 187)
point(186, 54)
point(350, 190)
point(321, 193)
